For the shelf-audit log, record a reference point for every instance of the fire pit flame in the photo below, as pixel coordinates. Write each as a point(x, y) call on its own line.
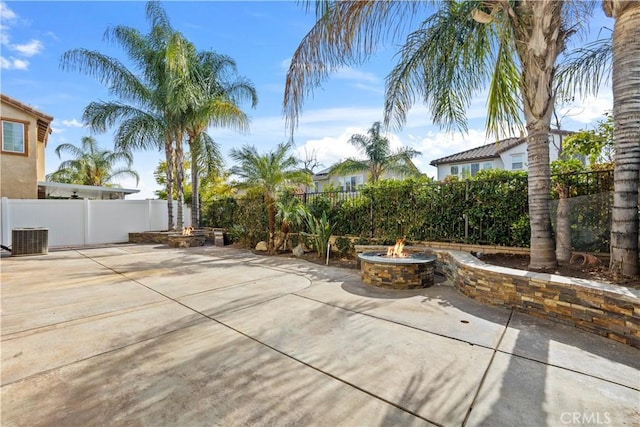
point(188, 231)
point(397, 251)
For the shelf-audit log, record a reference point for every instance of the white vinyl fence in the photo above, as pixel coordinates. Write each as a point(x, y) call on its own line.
point(85, 222)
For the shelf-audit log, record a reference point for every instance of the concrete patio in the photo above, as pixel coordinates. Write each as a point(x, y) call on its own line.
point(145, 335)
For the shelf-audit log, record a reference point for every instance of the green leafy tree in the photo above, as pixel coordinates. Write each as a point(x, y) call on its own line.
point(596, 145)
point(379, 157)
point(160, 175)
point(269, 174)
point(465, 46)
point(91, 165)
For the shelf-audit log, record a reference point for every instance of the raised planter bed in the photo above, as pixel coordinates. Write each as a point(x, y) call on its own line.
point(181, 241)
point(607, 310)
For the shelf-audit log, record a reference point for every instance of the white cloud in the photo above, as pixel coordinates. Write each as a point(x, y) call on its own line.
point(589, 110)
point(73, 123)
point(379, 90)
point(28, 49)
point(34, 47)
point(348, 73)
point(13, 63)
point(6, 14)
point(4, 36)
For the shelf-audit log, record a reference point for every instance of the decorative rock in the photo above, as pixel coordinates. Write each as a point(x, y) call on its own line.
point(262, 246)
point(298, 251)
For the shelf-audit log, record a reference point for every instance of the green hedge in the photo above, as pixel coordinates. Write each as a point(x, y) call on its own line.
point(490, 209)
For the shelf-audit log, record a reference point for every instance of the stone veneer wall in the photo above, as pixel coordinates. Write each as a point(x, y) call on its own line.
point(162, 237)
point(607, 310)
point(397, 276)
point(149, 237)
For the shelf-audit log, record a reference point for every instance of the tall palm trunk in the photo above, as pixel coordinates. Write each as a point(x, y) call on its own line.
point(271, 214)
point(168, 150)
point(179, 159)
point(563, 224)
point(539, 41)
point(626, 116)
point(195, 189)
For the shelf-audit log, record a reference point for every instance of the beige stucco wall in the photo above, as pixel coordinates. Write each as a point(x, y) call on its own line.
point(19, 174)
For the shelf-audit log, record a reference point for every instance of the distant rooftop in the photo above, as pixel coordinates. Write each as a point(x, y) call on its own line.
point(76, 191)
point(488, 151)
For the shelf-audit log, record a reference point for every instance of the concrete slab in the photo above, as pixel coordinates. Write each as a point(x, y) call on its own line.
point(439, 309)
point(566, 347)
point(115, 336)
point(179, 284)
point(197, 376)
point(35, 351)
point(426, 374)
point(52, 307)
point(524, 392)
point(228, 299)
point(23, 276)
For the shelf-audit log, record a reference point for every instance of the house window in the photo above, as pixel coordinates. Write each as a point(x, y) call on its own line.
point(487, 165)
point(475, 167)
point(350, 183)
point(14, 137)
point(465, 171)
point(454, 170)
point(517, 161)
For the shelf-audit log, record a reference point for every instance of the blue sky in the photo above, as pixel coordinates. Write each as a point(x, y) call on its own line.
point(261, 37)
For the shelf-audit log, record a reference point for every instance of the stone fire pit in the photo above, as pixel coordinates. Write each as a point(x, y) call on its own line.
point(412, 271)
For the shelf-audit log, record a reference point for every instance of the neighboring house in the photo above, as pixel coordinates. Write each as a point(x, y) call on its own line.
point(23, 140)
point(508, 154)
point(58, 190)
point(326, 181)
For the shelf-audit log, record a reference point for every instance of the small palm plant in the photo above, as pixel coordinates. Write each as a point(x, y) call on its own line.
point(320, 230)
point(290, 212)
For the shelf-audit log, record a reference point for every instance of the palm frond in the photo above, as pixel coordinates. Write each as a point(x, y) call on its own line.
point(586, 69)
point(346, 33)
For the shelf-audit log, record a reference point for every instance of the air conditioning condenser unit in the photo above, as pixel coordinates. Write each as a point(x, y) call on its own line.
point(29, 241)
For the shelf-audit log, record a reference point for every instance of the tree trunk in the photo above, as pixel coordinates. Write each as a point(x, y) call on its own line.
point(563, 225)
point(539, 41)
point(195, 190)
point(168, 150)
point(626, 136)
point(179, 182)
point(271, 214)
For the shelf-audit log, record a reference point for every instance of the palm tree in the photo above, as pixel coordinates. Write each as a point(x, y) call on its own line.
point(290, 212)
point(511, 47)
point(270, 174)
point(92, 166)
point(151, 101)
point(217, 95)
point(626, 116)
point(617, 59)
point(379, 156)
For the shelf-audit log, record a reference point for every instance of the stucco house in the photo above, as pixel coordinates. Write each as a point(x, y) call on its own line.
point(507, 154)
point(325, 180)
point(23, 140)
